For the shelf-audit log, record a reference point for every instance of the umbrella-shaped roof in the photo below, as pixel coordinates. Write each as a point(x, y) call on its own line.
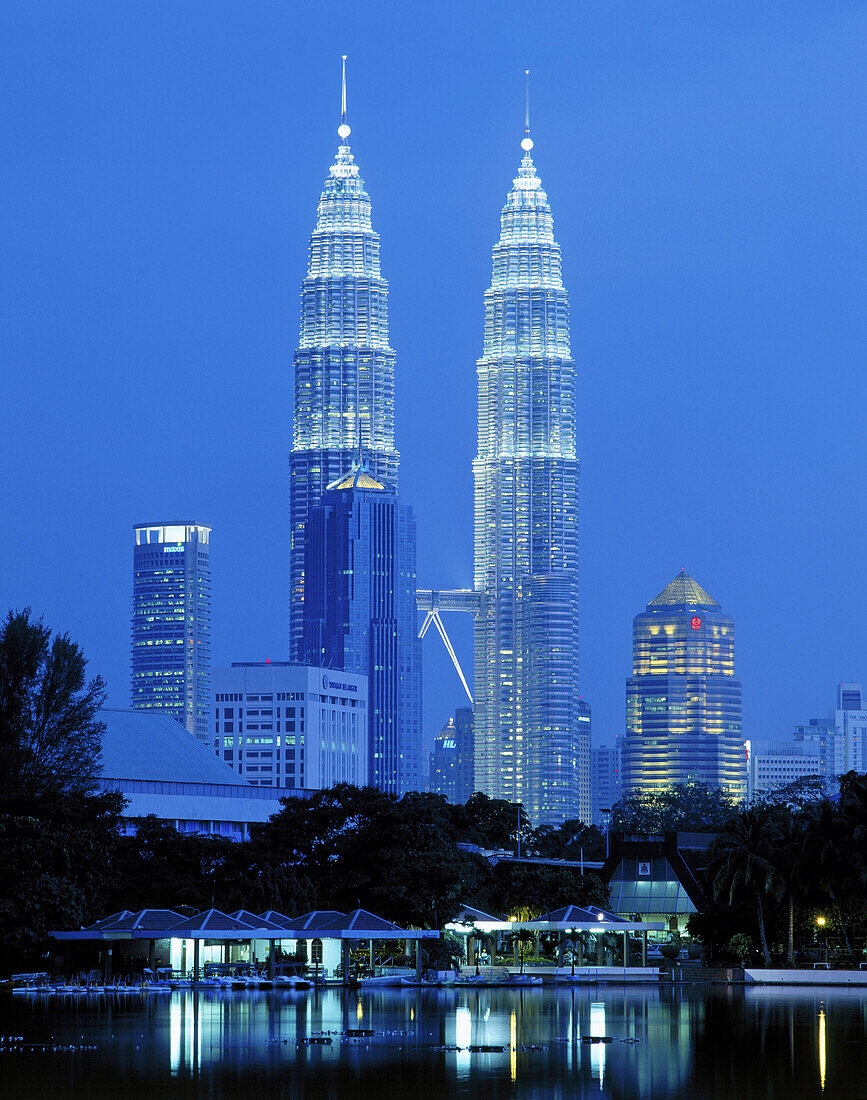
point(212, 924)
point(277, 918)
point(257, 922)
point(312, 922)
point(576, 914)
point(363, 925)
point(144, 921)
point(97, 926)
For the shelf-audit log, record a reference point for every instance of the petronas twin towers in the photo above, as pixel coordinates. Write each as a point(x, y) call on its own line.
point(529, 744)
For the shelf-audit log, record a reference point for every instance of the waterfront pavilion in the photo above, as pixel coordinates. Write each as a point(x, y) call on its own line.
point(568, 922)
point(210, 936)
point(330, 935)
point(181, 937)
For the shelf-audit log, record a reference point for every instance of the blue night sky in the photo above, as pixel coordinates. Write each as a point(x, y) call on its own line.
point(705, 163)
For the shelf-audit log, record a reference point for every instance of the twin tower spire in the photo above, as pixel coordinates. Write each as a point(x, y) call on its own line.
point(530, 738)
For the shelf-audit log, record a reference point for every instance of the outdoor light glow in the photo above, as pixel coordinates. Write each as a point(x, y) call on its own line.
point(822, 1049)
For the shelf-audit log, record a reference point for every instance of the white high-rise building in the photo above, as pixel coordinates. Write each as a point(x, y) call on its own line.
point(841, 737)
point(775, 764)
point(284, 725)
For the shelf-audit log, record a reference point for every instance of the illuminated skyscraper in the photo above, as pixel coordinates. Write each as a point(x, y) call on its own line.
point(171, 623)
point(683, 703)
point(529, 738)
point(360, 616)
point(344, 367)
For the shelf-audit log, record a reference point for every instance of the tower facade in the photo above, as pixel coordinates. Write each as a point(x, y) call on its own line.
point(451, 765)
point(360, 616)
point(528, 736)
point(683, 703)
point(344, 367)
point(171, 623)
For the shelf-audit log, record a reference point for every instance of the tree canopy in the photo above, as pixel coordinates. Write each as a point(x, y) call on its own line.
point(50, 736)
point(684, 807)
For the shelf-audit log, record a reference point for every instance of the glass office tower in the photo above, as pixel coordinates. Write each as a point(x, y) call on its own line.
point(360, 615)
point(344, 367)
point(452, 773)
point(171, 623)
point(528, 729)
point(683, 703)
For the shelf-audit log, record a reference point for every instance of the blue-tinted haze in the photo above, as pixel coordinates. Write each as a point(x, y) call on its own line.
point(705, 164)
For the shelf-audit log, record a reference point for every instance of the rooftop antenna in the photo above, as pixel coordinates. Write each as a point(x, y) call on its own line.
point(527, 143)
point(343, 129)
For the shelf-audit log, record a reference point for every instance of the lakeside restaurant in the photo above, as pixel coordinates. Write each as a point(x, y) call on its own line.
point(599, 938)
point(178, 945)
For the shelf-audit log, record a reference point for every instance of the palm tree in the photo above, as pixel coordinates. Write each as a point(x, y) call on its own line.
point(832, 847)
point(523, 936)
point(742, 859)
point(791, 859)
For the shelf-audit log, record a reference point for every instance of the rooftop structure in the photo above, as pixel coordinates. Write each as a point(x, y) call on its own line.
point(162, 770)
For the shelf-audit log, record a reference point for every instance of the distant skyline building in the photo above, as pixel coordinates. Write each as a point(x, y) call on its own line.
point(344, 366)
point(683, 703)
point(451, 763)
point(282, 725)
point(360, 615)
point(171, 623)
point(775, 764)
point(605, 781)
point(528, 732)
point(841, 737)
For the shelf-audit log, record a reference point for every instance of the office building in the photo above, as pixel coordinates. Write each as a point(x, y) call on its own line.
point(683, 703)
point(282, 725)
point(775, 764)
point(605, 782)
point(841, 738)
point(451, 762)
point(528, 733)
point(171, 623)
point(360, 615)
point(344, 366)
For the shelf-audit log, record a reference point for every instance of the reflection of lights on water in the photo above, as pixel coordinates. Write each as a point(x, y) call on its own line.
point(185, 1034)
point(513, 1048)
point(822, 1048)
point(411, 1012)
point(359, 1013)
point(463, 1038)
point(175, 1035)
point(597, 1050)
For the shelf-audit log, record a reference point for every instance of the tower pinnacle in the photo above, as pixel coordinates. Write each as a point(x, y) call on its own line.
point(527, 143)
point(343, 129)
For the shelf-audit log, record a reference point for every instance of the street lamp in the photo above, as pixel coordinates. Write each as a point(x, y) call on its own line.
point(820, 921)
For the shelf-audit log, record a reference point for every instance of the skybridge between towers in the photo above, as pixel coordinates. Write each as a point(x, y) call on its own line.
point(432, 602)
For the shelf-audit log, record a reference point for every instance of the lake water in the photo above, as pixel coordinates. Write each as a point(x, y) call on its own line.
point(689, 1042)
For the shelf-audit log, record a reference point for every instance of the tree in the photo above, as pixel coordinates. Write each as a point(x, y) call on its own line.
point(58, 862)
point(742, 860)
point(572, 840)
point(491, 822)
point(50, 736)
point(833, 853)
point(687, 807)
